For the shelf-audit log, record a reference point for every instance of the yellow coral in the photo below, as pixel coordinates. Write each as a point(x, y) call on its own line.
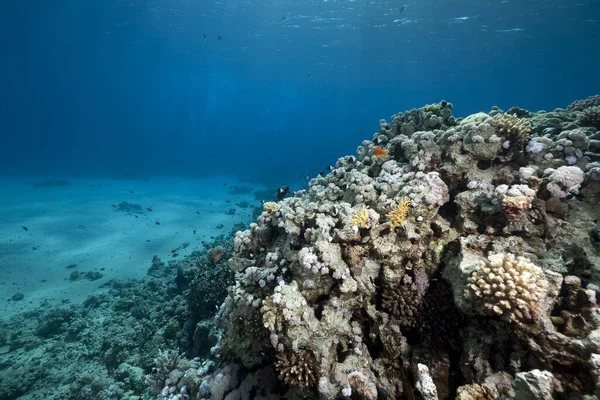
point(398, 215)
point(271, 207)
point(360, 218)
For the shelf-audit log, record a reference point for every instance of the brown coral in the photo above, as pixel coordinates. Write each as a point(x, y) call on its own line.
point(297, 368)
point(507, 286)
point(403, 302)
point(512, 127)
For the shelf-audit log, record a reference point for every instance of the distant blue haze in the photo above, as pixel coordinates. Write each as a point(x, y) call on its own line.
point(117, 88)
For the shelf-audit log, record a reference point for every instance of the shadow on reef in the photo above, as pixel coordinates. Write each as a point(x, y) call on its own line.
point(450, 258)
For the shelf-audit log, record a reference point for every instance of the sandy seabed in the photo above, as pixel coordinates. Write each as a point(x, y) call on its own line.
point(78, 225)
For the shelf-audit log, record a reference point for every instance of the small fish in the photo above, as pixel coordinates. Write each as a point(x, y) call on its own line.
point(131, 191)
point(198, 212)
point(309, 75)
point(330, 168)
point(136, 216)
point(402, 9)
point(194, 231)
point(219, 37)
point(227, 201)
point(149, 209)
point(25, 228)
point(148, 240)
point(379, 152)
point(220, 226)
point(114, 205)
point(157, 223)
point(204, 36)
point(212, 237)
point(284, 18)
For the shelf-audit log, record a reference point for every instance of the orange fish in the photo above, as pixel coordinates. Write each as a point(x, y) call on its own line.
point(379, 152)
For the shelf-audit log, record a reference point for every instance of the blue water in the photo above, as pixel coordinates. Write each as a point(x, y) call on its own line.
point(107, 88)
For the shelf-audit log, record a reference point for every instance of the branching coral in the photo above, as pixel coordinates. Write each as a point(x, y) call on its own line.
point(512, 127)
point(398, 215)
point(166, 361)
point(507, 286)
point(297, 368)
point(360, 218)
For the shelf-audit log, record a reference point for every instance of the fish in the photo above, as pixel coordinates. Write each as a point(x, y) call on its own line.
point(282, 192)
point(157, 223)
point(379, 152)
point(149, 209)
point(198, 212)
point(402, 9)
point(136, 216)
point(204, 36)
point(219, 37)
point(131, 191)
point(330, 168)
point(284, 18)
point(25, 228)
point(309, 75)
point(114, 205)
point(194, 231)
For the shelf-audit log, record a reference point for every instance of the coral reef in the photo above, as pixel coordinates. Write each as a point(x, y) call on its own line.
point(590, 117)
point(103, 348)
point(481, 285)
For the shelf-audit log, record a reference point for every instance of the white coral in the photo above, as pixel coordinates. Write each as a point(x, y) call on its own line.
point(507, 286)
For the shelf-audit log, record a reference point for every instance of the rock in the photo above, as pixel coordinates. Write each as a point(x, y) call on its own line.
point(425, 384)
point(533, 385)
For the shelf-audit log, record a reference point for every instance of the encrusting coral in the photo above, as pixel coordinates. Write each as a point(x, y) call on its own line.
point(477, 291)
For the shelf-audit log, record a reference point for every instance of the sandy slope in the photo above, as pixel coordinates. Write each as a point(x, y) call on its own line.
point(77, 224)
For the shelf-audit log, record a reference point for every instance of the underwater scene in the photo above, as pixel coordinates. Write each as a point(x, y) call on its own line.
point(299, 199)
